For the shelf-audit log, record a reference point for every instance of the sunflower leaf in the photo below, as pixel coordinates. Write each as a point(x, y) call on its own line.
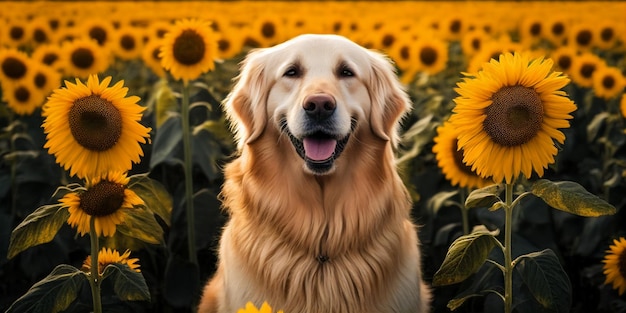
point(54, 293)
point(571, 197)
point(546, 280)
point(484, 197)
point(138, 224)
point(465, 256)
point(154, 194)
point(37, 228)
point(128, 284)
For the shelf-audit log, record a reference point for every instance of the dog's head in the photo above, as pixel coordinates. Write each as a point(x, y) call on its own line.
point(316, 90)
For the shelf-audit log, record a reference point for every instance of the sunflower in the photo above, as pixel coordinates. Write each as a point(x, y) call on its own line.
point(40, 31)
point(453, 27)
point(230, 42)
point(268, 29)
point(44, 78)
point(250, 308)
point(581, 36)
point(23, 98)
point(93, 128)
point(14, 65)
point(431, 55)
point(108, 256)
point(105, 199)
point(491, 50)
point(557, 28)
point(531, 31)
point(473, 40)
point(189, 49)
point(100, 30)
point(48, 54)
point(450, 159)
point(615, 265)
point(150, 56)
point(83, 57)
point(15, 33)
point(127, 42)
point(583, 68)
point(508, 116)
point(564, 58)
point(606, 35)
point(608, 82)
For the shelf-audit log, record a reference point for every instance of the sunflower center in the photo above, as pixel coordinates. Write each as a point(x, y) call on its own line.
point(535, 29)
point(558, 29)
point(50, 58)
point(608, 82)
point(565, 62)
point(607, 34)
point(428, 56)
point(40, 36)
point(583, 37)
point(13, 68)
point(22, 94)
point(223, 45)
point(587, 70)
point(102, 199)
point(514, 117)
point(16, 33)
point(127, 43)
point(455, 27)
point(189, 48)
point(404, 53)
point(268, 30)
point(83, 58)
point(99, 34)
point(476, 44)
point(95, 123)
point(388, 40)
point(622, 263)
point(40, 80)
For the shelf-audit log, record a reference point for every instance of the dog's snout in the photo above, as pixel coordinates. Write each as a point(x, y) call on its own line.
point(319, 106)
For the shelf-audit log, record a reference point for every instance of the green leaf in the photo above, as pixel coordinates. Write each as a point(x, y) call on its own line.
point(465, 256)
point(37, 228)
point(139, 224)
point(154, 194)
point(484, 197)
point(52, 294)
point(546, 280)
point(595, 125)
point(419, 135)
point(128, 284)
point(440, 199)
point(571, 197)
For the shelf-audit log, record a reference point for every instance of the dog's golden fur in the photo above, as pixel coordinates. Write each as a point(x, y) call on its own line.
point(336, 240)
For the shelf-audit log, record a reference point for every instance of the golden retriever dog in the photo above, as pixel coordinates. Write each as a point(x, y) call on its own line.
point(319, 217)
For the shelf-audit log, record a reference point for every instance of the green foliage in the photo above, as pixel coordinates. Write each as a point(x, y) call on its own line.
point(571, 197)
point(128, 284)
point(154, 194)
point(547, 281)
point(53, 293)
point(484, 197)
point(39, 227)
point(465, 256)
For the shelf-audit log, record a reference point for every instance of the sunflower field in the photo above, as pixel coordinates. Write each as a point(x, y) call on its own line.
point(113, 140)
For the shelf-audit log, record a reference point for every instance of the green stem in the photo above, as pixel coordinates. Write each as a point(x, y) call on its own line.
point(94, 279)
point(508, 263)
point(188, 166)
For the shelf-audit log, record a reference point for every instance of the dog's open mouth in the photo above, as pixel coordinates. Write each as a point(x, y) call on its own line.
point(319, 150)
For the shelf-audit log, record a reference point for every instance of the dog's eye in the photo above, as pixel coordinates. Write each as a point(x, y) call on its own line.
point(292, 71)
point(346, 72)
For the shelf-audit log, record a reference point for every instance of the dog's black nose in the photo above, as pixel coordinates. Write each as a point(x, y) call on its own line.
point(319, 106)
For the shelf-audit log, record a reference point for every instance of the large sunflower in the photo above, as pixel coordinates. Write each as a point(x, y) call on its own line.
point(189, 49)
point(93, 128)
point(615, 265)
point(509, 114)
point(250, 308)
point(105, 199)
point(108, 256)
point(450, 159)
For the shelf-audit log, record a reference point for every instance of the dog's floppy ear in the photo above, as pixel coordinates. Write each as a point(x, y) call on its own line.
point(389, 99)
point(245, 106)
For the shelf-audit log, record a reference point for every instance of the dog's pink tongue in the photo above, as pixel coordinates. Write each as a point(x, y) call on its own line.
point(318, 149)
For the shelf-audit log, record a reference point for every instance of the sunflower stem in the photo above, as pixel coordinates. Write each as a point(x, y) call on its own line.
point(508, 263)
point(188, 167)
point(95, 280)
